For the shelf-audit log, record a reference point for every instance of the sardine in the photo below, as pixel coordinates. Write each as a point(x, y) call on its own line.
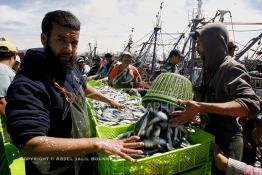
point(169, 132)
point(150, 151)
point(142, 130)
point(125, 135)
point(159, 116)
point(156, 131)
point(150, 144)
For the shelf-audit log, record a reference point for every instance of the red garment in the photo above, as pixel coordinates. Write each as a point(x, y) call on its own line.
point(117, 69)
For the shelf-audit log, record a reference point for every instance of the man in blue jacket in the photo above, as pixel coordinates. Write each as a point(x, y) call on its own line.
point(46, 115)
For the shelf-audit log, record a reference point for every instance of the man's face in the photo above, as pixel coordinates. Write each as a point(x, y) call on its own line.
point(96, 61)
point(81, 64)
point(200, 48)
point(174, 59)
point(63, 43)
point(126, 60)
point(12, 61)
point(109, 59)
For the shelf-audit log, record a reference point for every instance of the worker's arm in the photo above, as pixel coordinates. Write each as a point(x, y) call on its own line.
point(193, 108)
point(94, 94)
point(103, 80)
point(42, 146)
point(243, 103)
point(2, 105)
point(92, 77)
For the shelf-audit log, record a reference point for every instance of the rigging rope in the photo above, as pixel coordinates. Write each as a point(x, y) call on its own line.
point(232, 26)
point(254, 30)
point(142, 38)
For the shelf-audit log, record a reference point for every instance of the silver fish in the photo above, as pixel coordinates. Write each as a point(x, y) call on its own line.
point(159, 116)
point(106, 113)
point(125, 135)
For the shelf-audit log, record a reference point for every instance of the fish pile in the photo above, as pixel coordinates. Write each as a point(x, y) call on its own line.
point(106, 115)
point(157, 134)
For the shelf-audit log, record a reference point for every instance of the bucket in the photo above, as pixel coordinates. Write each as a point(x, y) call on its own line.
point(167, 88)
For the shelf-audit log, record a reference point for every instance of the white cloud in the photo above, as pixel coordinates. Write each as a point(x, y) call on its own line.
point(109, 21)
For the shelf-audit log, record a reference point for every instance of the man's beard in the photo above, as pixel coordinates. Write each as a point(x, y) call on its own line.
point(55, 63)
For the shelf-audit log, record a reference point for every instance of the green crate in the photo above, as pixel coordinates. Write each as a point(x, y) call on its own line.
point(14, 159)
point(90, 109)
point(95, 83)
point(91, 116)
point(92, 112)
point(163, 163)
point(4, 167)
point(11, 162)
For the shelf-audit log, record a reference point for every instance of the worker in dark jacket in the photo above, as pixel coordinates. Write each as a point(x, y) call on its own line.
point(46, 111)
point(226, 91)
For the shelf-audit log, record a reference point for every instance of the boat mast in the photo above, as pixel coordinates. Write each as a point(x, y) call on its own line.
point(247, 47)
point(156, 29)
point(95, 47)
point(130, 41)
point(197, 19)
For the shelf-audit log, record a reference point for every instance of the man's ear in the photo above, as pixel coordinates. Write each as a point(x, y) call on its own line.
point(43, 39)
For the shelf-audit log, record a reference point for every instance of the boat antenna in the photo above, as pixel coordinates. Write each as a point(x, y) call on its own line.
point(130, 41)
point(156, 29)
point(197, 20)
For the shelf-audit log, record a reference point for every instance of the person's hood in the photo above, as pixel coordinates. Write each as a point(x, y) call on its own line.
point(214, 37)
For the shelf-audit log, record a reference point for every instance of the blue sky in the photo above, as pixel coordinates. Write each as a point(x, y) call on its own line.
point(109, 22)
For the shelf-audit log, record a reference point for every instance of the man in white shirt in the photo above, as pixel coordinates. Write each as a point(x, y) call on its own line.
point(7, 60)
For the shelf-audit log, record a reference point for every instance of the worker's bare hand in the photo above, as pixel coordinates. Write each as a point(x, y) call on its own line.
point(182, 117)
point(117, 105)
point(220, 160)
point(120, 147)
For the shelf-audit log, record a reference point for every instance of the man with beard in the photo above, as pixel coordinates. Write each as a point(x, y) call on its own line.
point(46, 110)
point(226, 91)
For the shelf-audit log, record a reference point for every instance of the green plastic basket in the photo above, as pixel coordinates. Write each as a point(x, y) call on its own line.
point(14, 159)
point(91, 116)
point(95, 83)
point(163, 163)
point(90, 110)
point(11, 161)
point(4, 167)
point(167, 88)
